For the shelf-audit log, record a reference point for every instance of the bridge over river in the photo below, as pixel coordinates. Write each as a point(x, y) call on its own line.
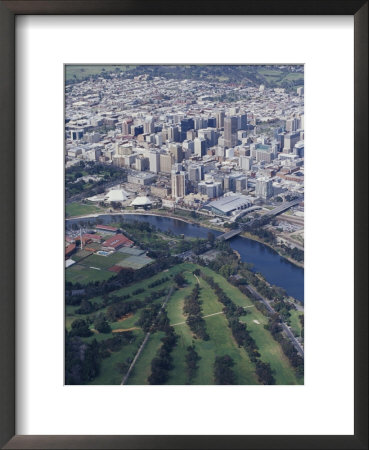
point(274, 212)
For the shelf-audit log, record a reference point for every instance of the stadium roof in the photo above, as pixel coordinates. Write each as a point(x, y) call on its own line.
point(229, 203)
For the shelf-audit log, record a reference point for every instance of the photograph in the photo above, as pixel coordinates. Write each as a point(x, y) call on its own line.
point(184, 224)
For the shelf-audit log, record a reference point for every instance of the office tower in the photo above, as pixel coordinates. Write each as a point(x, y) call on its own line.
point(188, 148)
point(220, 119)
point(246, 162)
point(200, 147)
point(212, 122)
point(290, 140)
point(241, 184)
point(142, 163)
point(173, 134)
point(136, 130)
point(178, 179)
point(210, 135)
point(149, 125)
point(242, 121)
point(158, 139)
point(264, 188)
point(190, 135)
point(302, 121)
point(166, 161)
point(230, 130)
point(292, 124)
point(195, 172)
point(211, 188)
point(154, 162)
point(176, 151)
point(126, 126)
point(164, 134)
point(186, 125)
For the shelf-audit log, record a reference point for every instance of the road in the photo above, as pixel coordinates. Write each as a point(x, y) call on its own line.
point(286, 329)
point(139, 351)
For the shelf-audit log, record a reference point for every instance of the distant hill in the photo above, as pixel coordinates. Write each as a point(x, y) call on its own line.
point(274, 76)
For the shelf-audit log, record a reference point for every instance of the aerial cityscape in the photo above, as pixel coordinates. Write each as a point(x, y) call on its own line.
point(184, 224)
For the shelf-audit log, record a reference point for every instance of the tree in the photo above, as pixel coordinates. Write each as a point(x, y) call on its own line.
point(211, 238)
point(102, 325)
point(179, 279)
point(80, 328)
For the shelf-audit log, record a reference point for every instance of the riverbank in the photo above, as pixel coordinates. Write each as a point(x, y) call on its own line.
point(191, 222)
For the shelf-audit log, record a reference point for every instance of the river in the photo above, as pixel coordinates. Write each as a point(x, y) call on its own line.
point(275, 269)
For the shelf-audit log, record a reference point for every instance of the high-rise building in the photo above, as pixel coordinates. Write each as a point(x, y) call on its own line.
point(210, 135)
point(264, 188)
point(242, 121)
point(290, 140)
point(186, 125)
point(211, 188)
point(154, 162)
point(200, 146)
point(195, 172)
point(173, 134)
point(292, 124)
point(126, 126)
point(241, 184)
point(246, 162)
point(166, 162)
point(142, 163)
point(230, 131)
point(212, 122)
point(158, 139)
point(149, 125)
point(179, 181)
point(220, 119)
point(176, 151)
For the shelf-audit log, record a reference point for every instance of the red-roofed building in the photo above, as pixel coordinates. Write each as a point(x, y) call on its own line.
point(116, 242)
point(106, 228)
point(69, 250)
point(87, 237)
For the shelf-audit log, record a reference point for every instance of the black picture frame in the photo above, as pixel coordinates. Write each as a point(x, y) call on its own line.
point(8, 11)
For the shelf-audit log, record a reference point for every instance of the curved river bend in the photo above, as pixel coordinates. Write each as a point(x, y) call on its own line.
point(275, 269)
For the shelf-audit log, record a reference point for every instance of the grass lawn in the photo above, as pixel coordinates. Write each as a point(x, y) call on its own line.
point(103, 262)
point(109, 374)
point(295, 322)
point(80, 209)
point(142, 369)
point(82, 274)
point(269, 349)
point(220, 343)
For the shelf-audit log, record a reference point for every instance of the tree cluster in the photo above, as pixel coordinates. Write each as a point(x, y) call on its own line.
point(192, 308)
point(191, 358)
point(163, 362)
point(223, 373)
point(289, 350)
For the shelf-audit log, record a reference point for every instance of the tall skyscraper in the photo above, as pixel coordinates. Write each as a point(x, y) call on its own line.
point(179, 181)
point(200, 146)
point(220, 119)
point(154, 162)
point(176, 151)
point(264, 188)
point(166, 162)
point(230, 131)
point(149, 125)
